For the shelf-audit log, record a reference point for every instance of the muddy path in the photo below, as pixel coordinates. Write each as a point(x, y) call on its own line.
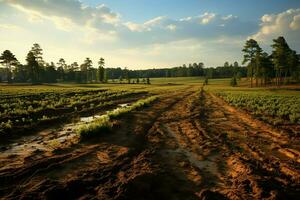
point(187, 145)
point(99, 167)
point(226, 153)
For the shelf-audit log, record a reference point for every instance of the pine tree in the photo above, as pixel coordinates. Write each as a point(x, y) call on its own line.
point(280, 53)
point(252, 52)
point(32, 68)
point(8, 59)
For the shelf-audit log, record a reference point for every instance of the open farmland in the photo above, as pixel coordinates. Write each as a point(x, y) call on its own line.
point(121, 141)
point(149, 100)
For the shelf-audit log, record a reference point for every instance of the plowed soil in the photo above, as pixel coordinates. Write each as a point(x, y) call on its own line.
point(188, 145)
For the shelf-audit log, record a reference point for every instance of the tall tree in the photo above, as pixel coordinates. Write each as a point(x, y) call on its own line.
point(8, 59)
point(293, 64)
point(19, 73)
point(38, 53)
point(251, 50)
point(62, 69)
point(226, 64)
point(280, 53)
point(266, 68)
point(51, 73)
point(88, 63)
point(258, 65)
point(74, 67)
point(32, 68)
point(101, 70)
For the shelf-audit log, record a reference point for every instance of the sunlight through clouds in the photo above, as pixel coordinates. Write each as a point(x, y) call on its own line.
point(100, 29)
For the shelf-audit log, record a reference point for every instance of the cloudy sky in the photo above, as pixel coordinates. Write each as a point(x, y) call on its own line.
point(143, 33)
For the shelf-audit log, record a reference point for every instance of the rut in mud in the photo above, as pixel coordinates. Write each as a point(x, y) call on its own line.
point(225, 153)
point(188, 145)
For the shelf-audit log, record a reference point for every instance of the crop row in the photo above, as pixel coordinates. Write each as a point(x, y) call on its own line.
point(23, 111)
point(280, 107)
point(104, 123)
point(26, 106)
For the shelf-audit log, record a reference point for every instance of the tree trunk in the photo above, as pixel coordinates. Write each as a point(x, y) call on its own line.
point(285, 78)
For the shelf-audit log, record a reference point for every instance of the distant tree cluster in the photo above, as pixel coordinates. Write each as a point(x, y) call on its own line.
point(182, 71)
point(280, 67)
point(36, 70)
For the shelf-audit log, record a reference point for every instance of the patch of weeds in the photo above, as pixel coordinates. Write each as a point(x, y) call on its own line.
point(104, 124)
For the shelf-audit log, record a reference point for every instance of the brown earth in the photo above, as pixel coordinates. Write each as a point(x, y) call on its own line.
point(187, 145)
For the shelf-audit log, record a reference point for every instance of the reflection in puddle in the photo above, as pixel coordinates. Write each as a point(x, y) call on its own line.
point(89, 119)
point(94, 117)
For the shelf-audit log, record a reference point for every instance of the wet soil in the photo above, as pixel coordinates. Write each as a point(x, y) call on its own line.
point(187, 145)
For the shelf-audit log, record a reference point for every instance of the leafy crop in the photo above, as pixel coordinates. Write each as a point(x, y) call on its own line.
point(281, 107)
point(104, 123)
point(28, 109)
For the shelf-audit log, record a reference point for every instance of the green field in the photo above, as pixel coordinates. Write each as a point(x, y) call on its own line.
point(32, 104)
point(112, 126)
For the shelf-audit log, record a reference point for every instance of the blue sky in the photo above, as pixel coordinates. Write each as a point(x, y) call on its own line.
point(140, 10)
point(146, 34)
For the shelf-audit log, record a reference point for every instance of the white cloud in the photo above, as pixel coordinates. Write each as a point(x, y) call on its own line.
point(286, 24)
point(186, 19)
point(172, 27)
point(135, 27)
point(295, 24)
point(207, 18)
point(229, 17)
point(156, 21)
point(66, 11)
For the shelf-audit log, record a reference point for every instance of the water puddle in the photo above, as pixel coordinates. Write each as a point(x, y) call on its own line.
point(94, 117)
point(89, 119)
point(209, 164)
point(44, 142)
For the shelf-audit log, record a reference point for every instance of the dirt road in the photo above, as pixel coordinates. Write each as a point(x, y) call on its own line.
point(187, 145)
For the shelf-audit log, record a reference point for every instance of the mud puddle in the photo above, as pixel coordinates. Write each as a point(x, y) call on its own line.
point(208, 164)
point(45, 142)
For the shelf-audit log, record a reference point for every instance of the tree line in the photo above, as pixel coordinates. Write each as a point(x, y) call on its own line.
point(282, 66)
point(193, 69)
point(36, 70)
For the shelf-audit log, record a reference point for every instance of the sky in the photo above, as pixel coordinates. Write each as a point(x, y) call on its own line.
point(140, 34)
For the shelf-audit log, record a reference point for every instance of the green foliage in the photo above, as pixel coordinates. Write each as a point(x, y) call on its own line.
point(102, 76)
point(8, 59)
point(104, 123)
point(282, 107)
point(44, 106)
point(6, 127)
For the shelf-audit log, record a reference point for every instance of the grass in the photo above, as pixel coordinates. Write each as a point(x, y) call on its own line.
point(104, 122)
